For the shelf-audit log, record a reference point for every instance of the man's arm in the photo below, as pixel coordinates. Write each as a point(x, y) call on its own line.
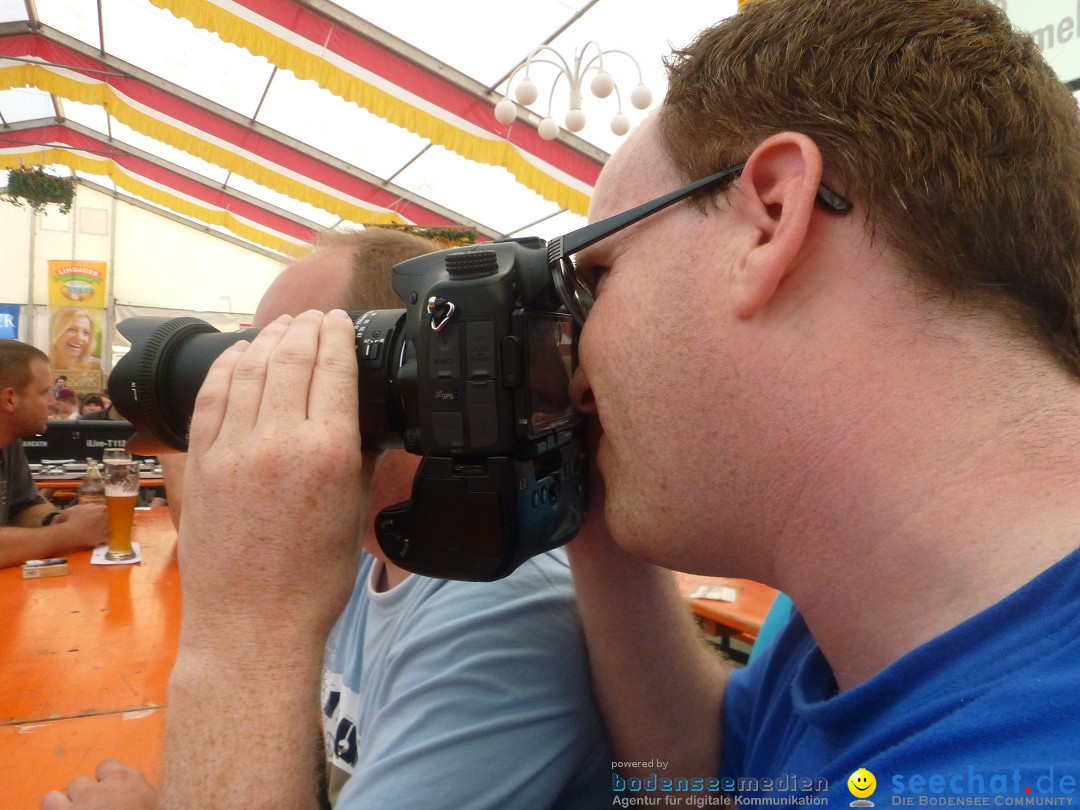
point(659, 687)
point(269, 546)
point(173, 466)
point(75, 528)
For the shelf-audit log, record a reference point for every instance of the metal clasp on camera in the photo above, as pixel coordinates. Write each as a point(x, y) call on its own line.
point(441, 311)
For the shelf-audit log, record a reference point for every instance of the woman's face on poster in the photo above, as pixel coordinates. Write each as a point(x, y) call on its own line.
point(73, 342)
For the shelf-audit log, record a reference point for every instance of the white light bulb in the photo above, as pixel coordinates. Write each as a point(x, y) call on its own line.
point(575, 120)
point(548, 129)
point(526, 92)
point(602, 84)
point(620, 124)
point(505, 111)
point(641, 97)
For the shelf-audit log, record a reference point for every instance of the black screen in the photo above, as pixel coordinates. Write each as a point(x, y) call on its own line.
point(77, 439)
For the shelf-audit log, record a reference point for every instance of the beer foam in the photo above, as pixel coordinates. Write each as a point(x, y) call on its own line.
point(121, 478)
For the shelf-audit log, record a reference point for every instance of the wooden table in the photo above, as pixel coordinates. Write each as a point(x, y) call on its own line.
point(84, 665)
point(741, 619)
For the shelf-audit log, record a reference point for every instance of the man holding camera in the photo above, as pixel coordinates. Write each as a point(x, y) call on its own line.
point(30, 527)
point(433, 692)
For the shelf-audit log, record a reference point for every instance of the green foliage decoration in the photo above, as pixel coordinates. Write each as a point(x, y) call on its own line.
point(34, 187)
point(446, 237)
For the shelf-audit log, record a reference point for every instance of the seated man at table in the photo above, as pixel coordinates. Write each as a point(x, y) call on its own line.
point(435, 693)
point(30, 528)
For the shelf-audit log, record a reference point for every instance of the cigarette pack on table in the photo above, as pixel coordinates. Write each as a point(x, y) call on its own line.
point(718, 593)
point(52, 567)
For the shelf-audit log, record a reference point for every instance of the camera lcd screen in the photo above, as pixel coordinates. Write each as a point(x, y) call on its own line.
point(550, 339)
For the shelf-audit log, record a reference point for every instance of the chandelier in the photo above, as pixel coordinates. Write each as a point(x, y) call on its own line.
point(589, 59)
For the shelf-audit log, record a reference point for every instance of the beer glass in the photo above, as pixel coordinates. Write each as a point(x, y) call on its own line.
point(121, 493)
point(115, 454)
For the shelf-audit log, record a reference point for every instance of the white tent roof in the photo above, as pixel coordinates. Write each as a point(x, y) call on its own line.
point(134, 95)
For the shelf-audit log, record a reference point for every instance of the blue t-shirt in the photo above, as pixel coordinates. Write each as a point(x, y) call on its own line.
point(460, 695)
point(987, 713)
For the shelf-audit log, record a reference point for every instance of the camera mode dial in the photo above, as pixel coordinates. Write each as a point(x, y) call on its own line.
point(472, 263)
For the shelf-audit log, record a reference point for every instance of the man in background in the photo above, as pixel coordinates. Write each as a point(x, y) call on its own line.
point(91, 404)
point(434, 693)
point(30, 527)
point(67, 405)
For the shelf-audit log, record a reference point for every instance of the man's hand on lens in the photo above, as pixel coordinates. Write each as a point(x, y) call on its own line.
point(275, 494)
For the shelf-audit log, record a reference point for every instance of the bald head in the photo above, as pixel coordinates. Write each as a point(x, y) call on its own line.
point(348, 270)
point(318, 281)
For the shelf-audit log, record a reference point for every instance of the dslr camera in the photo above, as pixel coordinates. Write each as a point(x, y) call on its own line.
point(471, 375)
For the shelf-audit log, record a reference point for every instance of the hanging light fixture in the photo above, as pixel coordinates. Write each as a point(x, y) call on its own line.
point(589, 59)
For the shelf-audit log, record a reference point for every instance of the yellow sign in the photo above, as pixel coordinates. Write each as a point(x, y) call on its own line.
point(77, 320)
point(77, 283)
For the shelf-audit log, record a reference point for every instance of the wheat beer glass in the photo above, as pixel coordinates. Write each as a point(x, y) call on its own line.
point(121, 492)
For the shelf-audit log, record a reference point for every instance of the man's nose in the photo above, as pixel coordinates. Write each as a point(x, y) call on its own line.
point(581, 394)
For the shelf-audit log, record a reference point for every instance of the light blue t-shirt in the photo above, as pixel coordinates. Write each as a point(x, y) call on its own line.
point(988, 712)
point(446, 694)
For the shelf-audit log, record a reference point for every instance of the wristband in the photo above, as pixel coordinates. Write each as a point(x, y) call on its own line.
point(49, 518)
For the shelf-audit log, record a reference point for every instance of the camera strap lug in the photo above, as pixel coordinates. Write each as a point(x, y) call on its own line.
point(441, 311)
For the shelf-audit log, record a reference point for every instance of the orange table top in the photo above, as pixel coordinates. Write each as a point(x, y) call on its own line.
point(84, 664)
point(745, 615)
point(85, 660)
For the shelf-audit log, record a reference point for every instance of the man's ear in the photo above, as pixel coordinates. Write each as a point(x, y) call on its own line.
point(777, 189)
point(7, 399)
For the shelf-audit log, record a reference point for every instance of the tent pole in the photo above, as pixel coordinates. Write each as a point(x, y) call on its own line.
point(30, 285)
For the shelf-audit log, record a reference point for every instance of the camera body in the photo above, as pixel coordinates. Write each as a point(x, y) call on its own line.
point(482, 383)
point(472, 375)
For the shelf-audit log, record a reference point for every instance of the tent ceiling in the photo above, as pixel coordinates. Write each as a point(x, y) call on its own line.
point(270, 119)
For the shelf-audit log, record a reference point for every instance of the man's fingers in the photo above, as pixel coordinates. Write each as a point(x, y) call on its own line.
point(55, 800)
point(79, 785)
point(108, 766)
point(247, 389)
point(334, 380)
point(295, 370)
point(213, 396)
point(289, 370)
point(116, 785)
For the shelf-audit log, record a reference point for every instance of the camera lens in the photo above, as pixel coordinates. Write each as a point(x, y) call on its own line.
point(155, 384)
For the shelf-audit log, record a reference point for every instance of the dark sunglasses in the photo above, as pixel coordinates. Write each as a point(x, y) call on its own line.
point(576, 295)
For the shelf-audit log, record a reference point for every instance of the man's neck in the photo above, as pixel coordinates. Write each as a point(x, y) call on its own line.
point(869, 605)
point(905, 527)
point(389, 576)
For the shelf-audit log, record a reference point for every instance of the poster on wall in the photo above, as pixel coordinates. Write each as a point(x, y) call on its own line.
point(77, 321)
point(9, 321)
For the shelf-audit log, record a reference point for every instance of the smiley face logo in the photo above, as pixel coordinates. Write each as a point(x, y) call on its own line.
point(862, 783)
